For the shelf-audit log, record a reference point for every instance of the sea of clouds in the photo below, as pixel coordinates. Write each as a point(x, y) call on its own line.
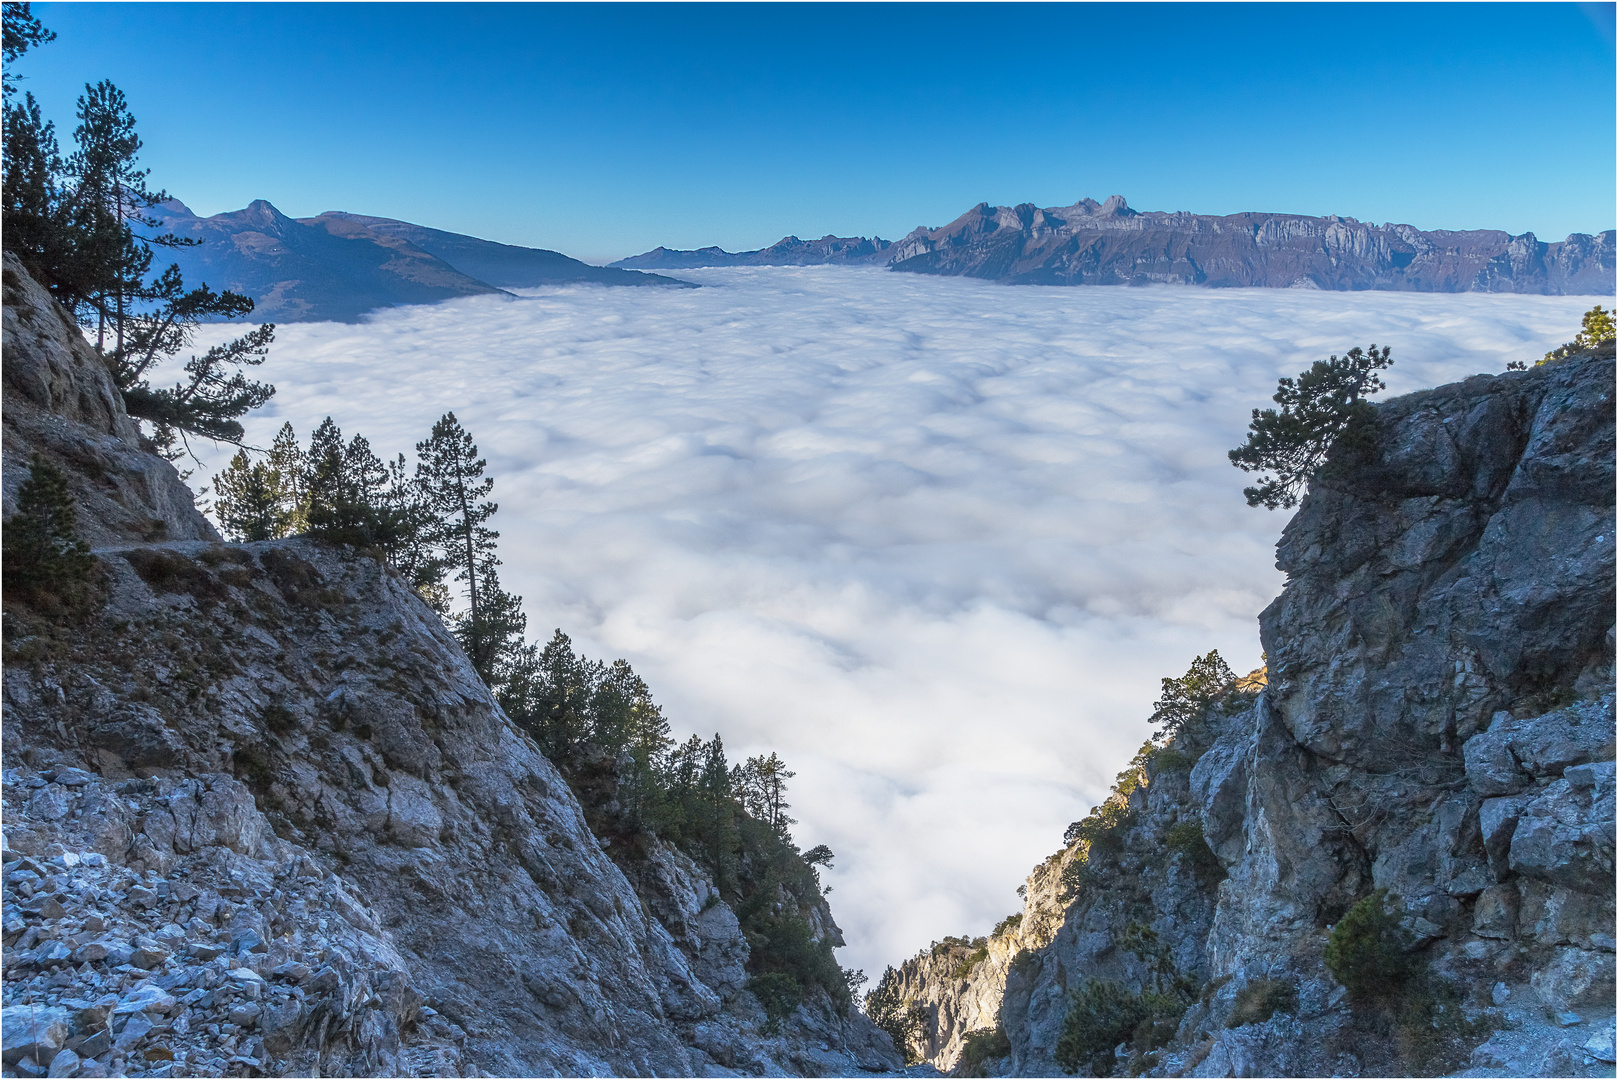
point(934, 540)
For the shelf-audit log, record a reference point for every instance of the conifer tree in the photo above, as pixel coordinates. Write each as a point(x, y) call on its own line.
point(30, 218)
point(760, 785)
point(450, 475)
point(43, 556)
point(347, 497)
point(492, 636)
point(412, 551)
point(250, 500)
point(1323, 407)
point(287, 461)
point(22, 32)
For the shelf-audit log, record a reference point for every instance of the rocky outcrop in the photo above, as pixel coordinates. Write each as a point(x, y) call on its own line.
point(1091, 243)
point(262, 816)
point(1108, 243)
point(1438, 723)
point(60, 401)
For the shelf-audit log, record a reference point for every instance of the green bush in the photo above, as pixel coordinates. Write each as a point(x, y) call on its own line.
point(1261, 999)
point(980, 1047)
point(1100, 1015)
point(970, 961)
point(1368, 952)
point(1597, 330)
point(1007, 924)
point(778, 993)
point(1185, 838)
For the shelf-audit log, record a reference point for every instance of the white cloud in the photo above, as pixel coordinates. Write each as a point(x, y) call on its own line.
point(934, 540)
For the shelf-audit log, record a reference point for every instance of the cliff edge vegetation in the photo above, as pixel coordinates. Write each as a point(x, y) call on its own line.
point(1391, 850)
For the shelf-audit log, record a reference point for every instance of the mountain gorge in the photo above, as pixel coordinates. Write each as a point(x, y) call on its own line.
point(1108, 243)
point(263, 817)
point(1393, 854)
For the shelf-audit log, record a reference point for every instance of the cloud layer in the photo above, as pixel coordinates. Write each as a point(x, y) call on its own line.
point(934, 540)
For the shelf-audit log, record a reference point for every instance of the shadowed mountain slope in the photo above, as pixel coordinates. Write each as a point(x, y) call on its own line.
point(505, 266)
point(339, 266)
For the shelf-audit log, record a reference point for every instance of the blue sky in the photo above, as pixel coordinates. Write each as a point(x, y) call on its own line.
point(603, 130)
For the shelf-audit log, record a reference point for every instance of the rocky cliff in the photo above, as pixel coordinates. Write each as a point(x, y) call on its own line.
point(1438, 725)
point(261, 817)
point(1091, 243)
point(60, 402)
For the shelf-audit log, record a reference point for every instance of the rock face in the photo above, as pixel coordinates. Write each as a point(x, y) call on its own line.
point(60, 401)
point(1438, 723)
point(1091, 243)
point(262, 816)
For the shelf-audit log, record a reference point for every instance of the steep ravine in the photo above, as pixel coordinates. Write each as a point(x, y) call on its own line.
point(1438, 723)
point(261, 817)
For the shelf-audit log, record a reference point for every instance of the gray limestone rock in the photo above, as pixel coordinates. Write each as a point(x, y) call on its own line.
point(1437, 722)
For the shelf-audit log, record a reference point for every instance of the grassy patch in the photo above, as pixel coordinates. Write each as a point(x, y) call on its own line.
point(1261, 999)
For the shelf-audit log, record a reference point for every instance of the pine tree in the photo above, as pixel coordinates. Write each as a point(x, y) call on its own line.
point(31, 217)
point(450, 475)
point(215, 391)
point(493, 635)
point(22, 32)
point(412, 552)
point(108, 198)
point(1323, 407)
point(760, 786)
point(347, 496)
point(44, 559)
point(250, 500)
point(287, 461)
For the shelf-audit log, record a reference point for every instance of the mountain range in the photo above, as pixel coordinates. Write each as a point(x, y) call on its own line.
point(338, 266)
point(1108, 243)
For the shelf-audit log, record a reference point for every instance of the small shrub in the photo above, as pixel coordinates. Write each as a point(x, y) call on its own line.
point(279, 719)
point(1367, 952)
point(1185, 838)
point(172, 572)
point(1101, 1015)
point(980, 1047)
point(1169, 760)
point(970, 961)
point(778, 993)
point(1261, 999)
point(1007, 924)
point(1597, 329)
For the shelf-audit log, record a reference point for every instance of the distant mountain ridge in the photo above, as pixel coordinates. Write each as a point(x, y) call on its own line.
point(1108, 243)
point(339, 266)
point(787, 251)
